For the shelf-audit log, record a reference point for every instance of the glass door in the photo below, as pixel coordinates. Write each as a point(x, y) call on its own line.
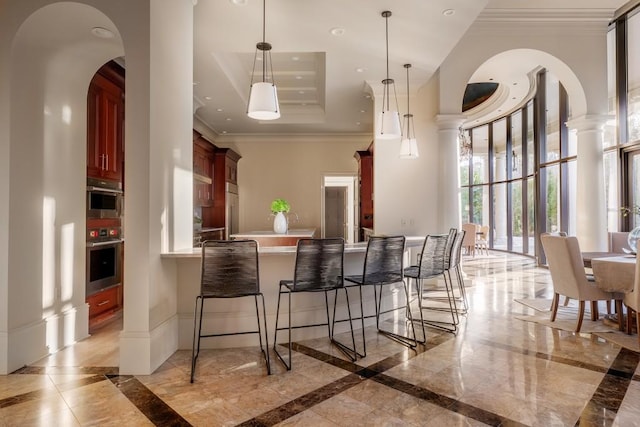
point(633, 187)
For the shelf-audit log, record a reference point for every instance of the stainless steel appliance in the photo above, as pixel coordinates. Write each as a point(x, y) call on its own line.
point(104, 258)
point(104, 199)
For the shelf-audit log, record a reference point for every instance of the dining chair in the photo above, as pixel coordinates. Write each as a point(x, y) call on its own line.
point(319, 268)
point(383, 266)
point(229, 269)
point(470, 238)
point(569, 278)
point(482, 241)
point(632, 301)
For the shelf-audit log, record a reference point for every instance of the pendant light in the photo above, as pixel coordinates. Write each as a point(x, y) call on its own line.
point(388, 120)
point(409, 145)
point(263, 95)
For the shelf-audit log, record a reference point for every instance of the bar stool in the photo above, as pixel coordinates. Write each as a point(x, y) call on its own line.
point(319, 267)
point(229, 270)
point(434, 262)
point(383, 265)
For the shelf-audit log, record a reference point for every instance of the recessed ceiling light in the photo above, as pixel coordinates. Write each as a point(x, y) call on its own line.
point(301, 92)
point(304, 104)
point(298, 77)
point(357, 123)
point(228, 119)
point(219, 110)
point(208, 98)
point(196, 83)
point(102, 33)
point(368, 96)
point(360, 70)
point(363, 111)
point(295, 58)
point(238, 2)
point(449, 12)
point(337, 31)
point(224, 131)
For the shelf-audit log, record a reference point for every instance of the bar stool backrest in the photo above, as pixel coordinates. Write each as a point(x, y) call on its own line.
point(229, 268)
point(384, 260)
point(319, 264)
point(456, 250)
point(432, 258)
point(451, 237)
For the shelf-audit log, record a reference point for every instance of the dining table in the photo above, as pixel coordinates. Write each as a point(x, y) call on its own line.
point(615, 274)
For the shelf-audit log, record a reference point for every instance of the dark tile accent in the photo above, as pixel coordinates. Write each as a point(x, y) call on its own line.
point(39, 394)
point(25, 397)
point(601, 410)
point(305, 402)
point(158, 412)
point(68, 370)
point(540, 355)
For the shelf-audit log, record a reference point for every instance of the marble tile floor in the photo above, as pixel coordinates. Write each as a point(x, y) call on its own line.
point(496, 371)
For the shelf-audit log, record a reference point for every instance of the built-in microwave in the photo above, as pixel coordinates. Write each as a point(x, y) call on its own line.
point(104, 199)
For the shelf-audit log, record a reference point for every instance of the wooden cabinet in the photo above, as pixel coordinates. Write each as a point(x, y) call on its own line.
point(365, 175)
point(103, 305)
point(225, 186)
point(203, 167)
point(105, 124)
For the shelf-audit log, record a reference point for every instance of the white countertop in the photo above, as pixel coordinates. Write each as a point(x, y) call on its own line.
point(360, 247)
point(302, 232)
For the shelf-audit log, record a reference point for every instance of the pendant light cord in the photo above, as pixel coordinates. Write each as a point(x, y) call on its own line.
point(264, 39)
point(386, 88)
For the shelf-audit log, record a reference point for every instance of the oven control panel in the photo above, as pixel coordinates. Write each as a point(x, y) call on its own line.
point(104, 234)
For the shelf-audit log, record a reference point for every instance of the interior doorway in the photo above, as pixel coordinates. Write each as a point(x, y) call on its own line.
point(339, 207)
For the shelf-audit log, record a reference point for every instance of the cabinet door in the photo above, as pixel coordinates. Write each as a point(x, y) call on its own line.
point(105, 118)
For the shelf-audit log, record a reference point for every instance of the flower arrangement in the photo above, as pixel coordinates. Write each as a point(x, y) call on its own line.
point(280, 205)
point(626, 210)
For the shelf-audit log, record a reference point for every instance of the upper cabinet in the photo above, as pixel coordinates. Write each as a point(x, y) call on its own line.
point(105, 124)
point(365, 174)
point(203, 159)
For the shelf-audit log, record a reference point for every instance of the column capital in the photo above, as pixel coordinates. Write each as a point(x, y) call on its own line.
point(450, 121)
point(589, 122)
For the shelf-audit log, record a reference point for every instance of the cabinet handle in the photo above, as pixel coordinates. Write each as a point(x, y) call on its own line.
point(101, 161)
point(100, 304)
point(107, 158)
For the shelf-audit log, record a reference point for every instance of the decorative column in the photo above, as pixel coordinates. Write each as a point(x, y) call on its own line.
point(591, 218)
point(448, 164)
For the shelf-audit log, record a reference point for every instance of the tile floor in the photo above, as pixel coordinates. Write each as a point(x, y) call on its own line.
point(496, 371)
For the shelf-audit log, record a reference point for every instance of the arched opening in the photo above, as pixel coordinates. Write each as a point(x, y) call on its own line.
point(54, 55)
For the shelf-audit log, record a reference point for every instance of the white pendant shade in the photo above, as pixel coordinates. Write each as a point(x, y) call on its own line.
point(409, 149)
point(263, 101)
point(389, 125)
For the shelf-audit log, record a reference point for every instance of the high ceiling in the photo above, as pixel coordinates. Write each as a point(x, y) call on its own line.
point(329, 55)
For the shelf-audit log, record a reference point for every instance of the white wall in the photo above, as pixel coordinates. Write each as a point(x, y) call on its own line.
point(46, 176)
point(43, 86)
point(406, 191)
point(289, 167)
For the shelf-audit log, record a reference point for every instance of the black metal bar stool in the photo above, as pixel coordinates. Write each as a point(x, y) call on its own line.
point(229, 270)
point(434, 262)
point(383, 265)
point(319, 268)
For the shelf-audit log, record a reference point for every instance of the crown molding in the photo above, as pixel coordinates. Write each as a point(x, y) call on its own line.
point(546, 15)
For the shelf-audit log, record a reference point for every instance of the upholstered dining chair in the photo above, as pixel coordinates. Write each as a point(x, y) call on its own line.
point(229, 269)
point(569, 278)
point(482, 241)
point(470, 238)
point(632, 300)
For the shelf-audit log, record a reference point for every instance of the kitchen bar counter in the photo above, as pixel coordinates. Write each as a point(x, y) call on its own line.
point(269, 238)
point(275, 263)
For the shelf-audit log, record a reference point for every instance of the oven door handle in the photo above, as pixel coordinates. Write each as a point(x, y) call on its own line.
point(105, 190)
point(109, 242)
